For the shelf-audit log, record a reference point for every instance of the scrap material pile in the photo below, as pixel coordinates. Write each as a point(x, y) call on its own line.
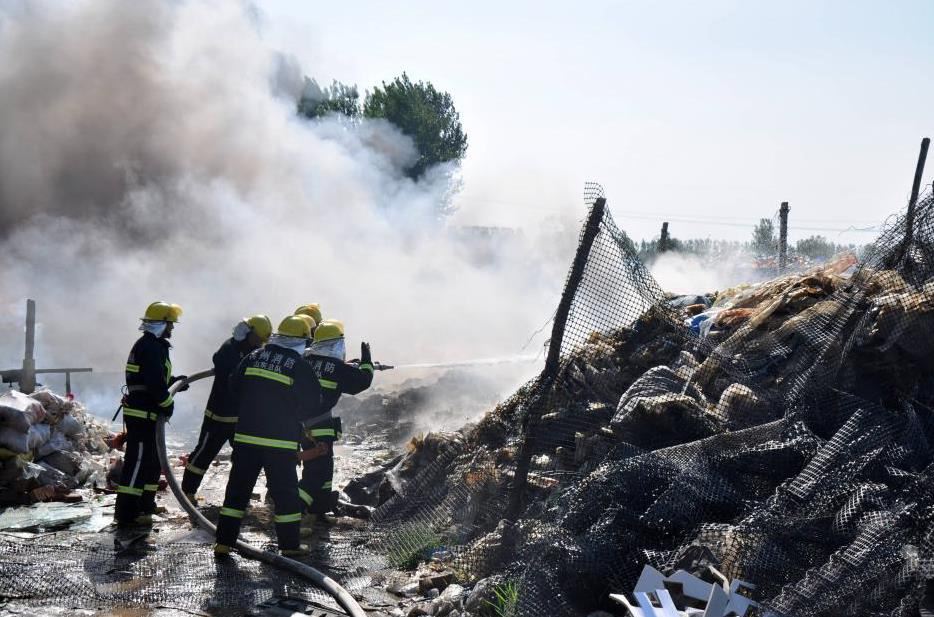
point(779, 433)
point(49, 445)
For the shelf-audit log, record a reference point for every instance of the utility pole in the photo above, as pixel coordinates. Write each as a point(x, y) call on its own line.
point(663, 241)
point(783, 237)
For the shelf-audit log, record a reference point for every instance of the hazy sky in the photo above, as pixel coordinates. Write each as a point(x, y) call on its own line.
point(713, 111)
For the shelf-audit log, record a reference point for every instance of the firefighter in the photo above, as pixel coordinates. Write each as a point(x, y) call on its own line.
point(148, 377)
point(313, 310)
point(274, 391)
point(326, 356)
point(220, 417)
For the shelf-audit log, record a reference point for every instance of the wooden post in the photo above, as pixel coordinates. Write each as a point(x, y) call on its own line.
point(534, 412)
point(783, 237)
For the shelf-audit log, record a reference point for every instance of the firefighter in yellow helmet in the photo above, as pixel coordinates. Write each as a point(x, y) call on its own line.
point(274, 391)
point(148, 377)
point(326, 356)
point(313, 310)
point(220, 415)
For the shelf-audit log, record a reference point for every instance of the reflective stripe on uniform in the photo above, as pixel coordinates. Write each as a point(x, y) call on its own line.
point(168, 401)
point(195, 470)
point(139, 461)
point(274, 376)
point(265, 441)
point(129, 490)
point(288, 518)
point(366, 366)
point(321, 432)
point(132, 368)
point(168, 370)
point(326, 485)
point(328, 384)
point(152, 488)
point(213, 416)
point(140, 413)
point(232, 512)
point(305, 496)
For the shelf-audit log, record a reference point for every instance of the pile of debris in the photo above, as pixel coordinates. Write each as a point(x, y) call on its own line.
point(785, 428)
point(49, 446)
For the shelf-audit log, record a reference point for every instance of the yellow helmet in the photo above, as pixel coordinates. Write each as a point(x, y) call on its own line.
point(162, 311)
point(313, 310)
point(312, 324)
point(294, 326)
point(329, 329)
point(260, 325)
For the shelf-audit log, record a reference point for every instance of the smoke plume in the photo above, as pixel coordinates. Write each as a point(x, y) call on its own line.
point(151, 150)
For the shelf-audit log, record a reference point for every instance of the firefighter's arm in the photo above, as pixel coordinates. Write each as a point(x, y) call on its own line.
point(357, 378)
point(236, 377)
point(152, 370)
point(309, 391)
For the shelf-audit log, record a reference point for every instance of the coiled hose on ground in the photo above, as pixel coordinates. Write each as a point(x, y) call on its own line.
point(320, 579)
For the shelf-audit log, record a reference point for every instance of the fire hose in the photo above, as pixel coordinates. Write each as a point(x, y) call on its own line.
point(320, 579)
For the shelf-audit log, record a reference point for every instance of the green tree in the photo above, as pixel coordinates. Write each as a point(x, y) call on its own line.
point(764, 241)
point(424, 114)
point(816, 247)
point(339, 98)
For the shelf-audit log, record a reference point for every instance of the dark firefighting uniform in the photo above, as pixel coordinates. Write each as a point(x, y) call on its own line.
point(274, 390)
point(148, 375)
point(336, 377)
point(220, 415)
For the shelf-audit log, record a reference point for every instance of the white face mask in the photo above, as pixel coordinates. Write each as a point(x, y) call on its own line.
point(331, 349)
point(296, 344)
point(156, 328)
point(241, 331)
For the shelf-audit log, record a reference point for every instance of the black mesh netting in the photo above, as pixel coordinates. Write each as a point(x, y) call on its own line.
point(785, 440)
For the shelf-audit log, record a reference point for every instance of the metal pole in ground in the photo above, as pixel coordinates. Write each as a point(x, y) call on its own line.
point(27, 378)
point(534, 412)
point(898, 256)
point(783, 237)
point(916, 185)
point(663, 240)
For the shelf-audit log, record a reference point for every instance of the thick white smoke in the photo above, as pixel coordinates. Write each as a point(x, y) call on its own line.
point(151, 150)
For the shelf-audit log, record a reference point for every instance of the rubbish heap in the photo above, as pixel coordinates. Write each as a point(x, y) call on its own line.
point(784, 428)
point(49, 446)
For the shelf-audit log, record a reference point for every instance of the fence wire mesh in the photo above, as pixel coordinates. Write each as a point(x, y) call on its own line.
point(780, 432)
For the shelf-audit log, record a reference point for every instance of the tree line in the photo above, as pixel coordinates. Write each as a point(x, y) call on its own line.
point(763, 244)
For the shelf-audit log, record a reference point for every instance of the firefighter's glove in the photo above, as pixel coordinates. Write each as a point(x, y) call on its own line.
point(184, 386)
point(365, 354)
point(316, 451)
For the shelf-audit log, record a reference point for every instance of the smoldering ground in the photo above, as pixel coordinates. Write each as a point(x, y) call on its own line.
point(151, 150)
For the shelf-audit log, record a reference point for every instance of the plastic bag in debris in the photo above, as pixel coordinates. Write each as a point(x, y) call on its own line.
point(704, 322)
point(686, 301)
point(25, 442)
point(18, 411)
point(57, 441)
point(52, 476)
point(14, 440)
point(69, 426)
